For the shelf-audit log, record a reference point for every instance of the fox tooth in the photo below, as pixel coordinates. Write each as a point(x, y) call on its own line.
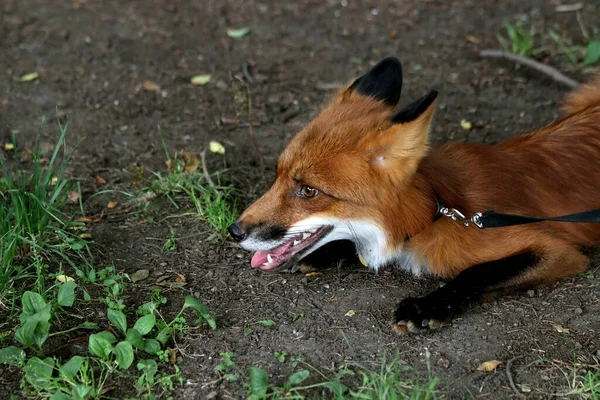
point(269, 259)
point(312, 230)
point(296, 242)
point(305, 235)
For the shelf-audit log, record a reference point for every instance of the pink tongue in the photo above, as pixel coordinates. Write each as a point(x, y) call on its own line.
point(260, 257)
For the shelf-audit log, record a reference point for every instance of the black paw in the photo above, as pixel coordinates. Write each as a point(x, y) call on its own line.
point(413, 314)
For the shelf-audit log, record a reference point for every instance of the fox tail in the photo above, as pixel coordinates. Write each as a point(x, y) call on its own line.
point(585, 96)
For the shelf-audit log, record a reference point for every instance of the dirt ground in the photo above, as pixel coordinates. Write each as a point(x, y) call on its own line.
point(93, 58)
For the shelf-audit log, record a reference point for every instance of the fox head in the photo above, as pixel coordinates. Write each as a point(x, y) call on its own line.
point(350, 174)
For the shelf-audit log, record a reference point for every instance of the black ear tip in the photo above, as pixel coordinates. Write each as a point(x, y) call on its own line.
point(389, 62)
point(416, 108)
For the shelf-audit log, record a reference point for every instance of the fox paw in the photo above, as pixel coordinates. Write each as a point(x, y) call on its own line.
point(413, 314)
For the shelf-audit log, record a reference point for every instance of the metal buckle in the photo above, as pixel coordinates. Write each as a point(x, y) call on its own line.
point(459, 217)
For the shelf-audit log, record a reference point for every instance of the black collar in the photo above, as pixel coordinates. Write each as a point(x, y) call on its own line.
point(439, 205)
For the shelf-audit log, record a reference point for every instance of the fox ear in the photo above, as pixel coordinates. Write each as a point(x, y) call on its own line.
point(383, 82)
point(401, 147)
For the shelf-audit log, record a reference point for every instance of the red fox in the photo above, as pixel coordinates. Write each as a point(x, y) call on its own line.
point(362, 170)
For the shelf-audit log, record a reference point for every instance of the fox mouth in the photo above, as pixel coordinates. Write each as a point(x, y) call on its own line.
point(290, 252)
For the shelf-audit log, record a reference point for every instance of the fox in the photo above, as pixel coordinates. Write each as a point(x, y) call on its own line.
point(363, 171)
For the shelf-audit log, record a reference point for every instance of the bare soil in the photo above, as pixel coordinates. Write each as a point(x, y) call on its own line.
point(93, 58)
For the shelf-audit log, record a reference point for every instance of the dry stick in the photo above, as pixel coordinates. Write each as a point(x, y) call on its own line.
point(251, 131)
point(205, 170)
point(551, 72)
point(510, 378)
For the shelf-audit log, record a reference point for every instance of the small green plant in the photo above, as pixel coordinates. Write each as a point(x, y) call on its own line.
point(227, 367)
point(110, 351)
point(280, 356)
point(520, 39)
point(586, 54)
point(260, 388)
point(171, 243)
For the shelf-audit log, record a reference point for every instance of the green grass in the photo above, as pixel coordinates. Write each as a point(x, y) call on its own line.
point(519, 39)
point(590, 387)
point(185, 183)
point(34, 229)
point(392, 382)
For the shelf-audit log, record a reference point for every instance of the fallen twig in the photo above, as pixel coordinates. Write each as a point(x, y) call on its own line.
point(510, 378)
point(205, 170)
point(549, 71)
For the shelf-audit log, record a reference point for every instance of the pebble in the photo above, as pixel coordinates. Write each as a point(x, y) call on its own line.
point(530, 293)
point(578, 311)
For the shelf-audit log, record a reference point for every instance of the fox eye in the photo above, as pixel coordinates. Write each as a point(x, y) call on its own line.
point(308, 192)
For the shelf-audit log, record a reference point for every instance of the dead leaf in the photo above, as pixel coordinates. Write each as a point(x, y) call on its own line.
point(200, 80)
point(139, 275)
point(312, 274)
point(29, 77)
point(112, 204)
point(169, 164)
point(100, 181)
point(87, 220)
point(172, 356)
point(53, 181)
point(73, 196)
point(473, 39)
point(85, 235)
point(560, 329)
point(350, 313)
point(466, 125)
point(151, 86)
point(191, 162)
point(172, 285)
point(216, 147)
point(238, 33)
point(9, 146)
point(64, 278)
point(180, 278)
point(489, 366)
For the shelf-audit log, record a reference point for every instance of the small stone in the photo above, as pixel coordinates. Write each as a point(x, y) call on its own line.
point(578, 311)
point(443, 363)
point(240, 255)
point(530, 293)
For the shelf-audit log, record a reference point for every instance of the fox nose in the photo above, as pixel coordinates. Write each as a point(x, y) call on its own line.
point(237, 232)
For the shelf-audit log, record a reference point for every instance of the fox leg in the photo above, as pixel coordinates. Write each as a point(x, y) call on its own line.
point(520, 271)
